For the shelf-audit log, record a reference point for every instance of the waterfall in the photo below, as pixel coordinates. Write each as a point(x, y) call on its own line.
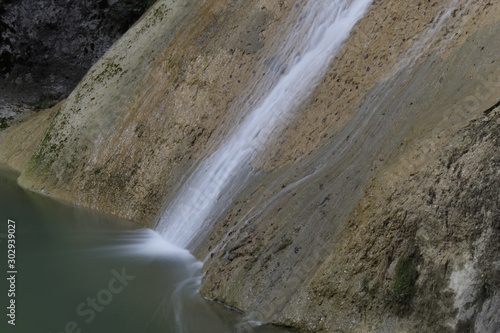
point(312, 42)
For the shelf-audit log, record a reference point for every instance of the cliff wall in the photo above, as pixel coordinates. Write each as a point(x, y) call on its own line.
point(375, 208)
point(323, 230)
point(145, 112)
point(47, 46)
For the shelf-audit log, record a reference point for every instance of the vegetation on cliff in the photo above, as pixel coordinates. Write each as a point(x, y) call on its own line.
point(374, 210)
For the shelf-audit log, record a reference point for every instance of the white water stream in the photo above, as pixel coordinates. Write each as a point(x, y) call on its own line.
point(326, 23)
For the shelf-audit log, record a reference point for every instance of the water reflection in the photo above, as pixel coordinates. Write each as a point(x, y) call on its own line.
point(80, 271)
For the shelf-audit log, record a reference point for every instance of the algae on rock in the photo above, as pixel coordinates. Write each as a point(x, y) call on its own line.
point(385, 182)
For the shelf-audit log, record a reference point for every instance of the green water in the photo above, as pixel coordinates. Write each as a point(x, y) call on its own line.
point(81, 271)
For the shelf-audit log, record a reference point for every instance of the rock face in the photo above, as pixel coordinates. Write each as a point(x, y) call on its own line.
point(166, 91)
point(421, 248)
point(47, 46)
point(374, 210)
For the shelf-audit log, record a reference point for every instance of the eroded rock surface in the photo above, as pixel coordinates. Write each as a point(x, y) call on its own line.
point(47, 46)
point(374, 210)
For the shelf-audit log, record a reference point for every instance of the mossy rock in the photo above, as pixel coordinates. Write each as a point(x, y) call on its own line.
point(403, 288)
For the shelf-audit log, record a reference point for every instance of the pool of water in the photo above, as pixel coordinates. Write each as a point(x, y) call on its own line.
point(77, 270)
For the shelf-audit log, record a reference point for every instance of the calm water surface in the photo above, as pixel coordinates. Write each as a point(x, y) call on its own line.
point(81, 271)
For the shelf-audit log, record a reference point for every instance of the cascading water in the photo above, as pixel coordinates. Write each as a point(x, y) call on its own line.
point(312, 42)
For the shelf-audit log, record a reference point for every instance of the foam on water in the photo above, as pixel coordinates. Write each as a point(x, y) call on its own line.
point(155, 245)
point(145, 243)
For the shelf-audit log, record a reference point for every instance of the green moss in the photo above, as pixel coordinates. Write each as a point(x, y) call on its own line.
point(50, 146)
point(110, 70)
point(5, 122)
point(41, 159)
point(403, 288)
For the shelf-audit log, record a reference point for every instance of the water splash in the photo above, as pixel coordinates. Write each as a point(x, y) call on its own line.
point(148, 243)
point(313, 41)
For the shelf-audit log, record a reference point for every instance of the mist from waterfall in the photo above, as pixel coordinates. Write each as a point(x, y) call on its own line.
point(313, 40)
